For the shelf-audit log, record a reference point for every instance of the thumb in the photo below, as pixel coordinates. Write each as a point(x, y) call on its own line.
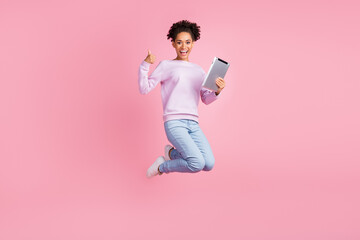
point(149, 52)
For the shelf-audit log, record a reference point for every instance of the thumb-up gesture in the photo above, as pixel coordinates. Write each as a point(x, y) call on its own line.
point(150, 58)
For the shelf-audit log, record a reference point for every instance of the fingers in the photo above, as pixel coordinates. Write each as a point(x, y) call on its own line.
point(150, 58)
point(220, 82)
point(150, 55)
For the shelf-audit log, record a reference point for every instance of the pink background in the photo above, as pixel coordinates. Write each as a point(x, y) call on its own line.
point(76, 136)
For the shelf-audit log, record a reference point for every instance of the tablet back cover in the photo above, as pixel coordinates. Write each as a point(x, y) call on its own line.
point(217, 69)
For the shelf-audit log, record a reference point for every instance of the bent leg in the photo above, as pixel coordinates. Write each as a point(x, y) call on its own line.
point(203, 145)
point(191, 160)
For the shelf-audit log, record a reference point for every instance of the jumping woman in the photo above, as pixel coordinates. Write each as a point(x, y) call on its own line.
point(181, 87)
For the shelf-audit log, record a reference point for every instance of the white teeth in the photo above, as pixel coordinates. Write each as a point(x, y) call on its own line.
point(183, 51)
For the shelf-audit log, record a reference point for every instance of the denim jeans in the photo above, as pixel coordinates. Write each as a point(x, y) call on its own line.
point(192, 152)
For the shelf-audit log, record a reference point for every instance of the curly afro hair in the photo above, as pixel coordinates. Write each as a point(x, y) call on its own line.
point(184, 26)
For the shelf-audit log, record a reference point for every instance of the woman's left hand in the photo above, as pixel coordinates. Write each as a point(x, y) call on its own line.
point(220, 82)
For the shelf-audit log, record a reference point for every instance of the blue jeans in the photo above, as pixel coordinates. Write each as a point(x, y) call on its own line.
point(192, 152)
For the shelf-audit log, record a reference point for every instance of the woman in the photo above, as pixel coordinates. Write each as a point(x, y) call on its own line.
point(181, 86)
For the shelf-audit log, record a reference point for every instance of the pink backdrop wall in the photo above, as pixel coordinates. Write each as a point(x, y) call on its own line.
point(76, 136)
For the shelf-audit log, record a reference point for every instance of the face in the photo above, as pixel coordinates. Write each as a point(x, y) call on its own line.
point(183, 43)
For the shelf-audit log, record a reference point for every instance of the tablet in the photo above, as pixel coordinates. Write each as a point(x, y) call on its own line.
point(217, 69)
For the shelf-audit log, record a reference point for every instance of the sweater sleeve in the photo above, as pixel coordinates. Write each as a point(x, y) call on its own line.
point(148, 83)
point(208, 96)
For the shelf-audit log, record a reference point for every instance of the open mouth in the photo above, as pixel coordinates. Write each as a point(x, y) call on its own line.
point(183, 53)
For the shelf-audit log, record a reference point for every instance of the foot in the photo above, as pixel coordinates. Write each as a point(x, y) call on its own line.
point(167, 152)
point(154, 168)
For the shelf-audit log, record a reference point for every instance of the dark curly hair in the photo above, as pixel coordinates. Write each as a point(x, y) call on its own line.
point(184, 26)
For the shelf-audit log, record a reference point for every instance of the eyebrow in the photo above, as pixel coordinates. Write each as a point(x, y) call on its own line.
point(185, 40)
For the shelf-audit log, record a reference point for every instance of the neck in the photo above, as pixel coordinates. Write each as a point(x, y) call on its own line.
point(182, 59)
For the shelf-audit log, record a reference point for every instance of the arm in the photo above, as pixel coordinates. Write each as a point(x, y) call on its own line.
point(148, 83)
point(208, 96)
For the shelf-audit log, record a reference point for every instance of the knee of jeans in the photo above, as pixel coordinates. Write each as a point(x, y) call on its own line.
point(209, 166)
point(196, 164)
point(209, 162)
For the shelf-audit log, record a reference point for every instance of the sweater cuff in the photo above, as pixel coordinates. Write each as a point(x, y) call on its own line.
point(145, 64)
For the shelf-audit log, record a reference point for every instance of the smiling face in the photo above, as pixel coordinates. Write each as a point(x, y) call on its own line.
point(183, 45)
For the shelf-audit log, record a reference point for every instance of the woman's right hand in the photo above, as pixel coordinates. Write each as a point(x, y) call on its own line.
point(150, 58)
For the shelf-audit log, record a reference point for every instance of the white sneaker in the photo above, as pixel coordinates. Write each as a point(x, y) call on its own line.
point(153, 169)
point(167, 151)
